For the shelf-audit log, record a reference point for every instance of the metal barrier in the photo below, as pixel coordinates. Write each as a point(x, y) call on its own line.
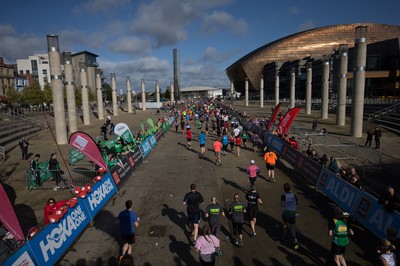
point(46, 179)
point(315, 139)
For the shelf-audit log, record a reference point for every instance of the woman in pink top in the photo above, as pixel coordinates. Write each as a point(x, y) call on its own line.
point(206, 245)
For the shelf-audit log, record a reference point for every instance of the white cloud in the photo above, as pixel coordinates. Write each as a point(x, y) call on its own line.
point(212, 55)
point(219, 20)
point(13, 47)
point(306, 25)
point(130, 45)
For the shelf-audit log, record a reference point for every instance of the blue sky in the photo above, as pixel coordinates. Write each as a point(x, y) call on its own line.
point(136, 38)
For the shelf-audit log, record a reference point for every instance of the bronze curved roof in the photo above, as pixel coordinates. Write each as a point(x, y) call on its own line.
point(312, 43)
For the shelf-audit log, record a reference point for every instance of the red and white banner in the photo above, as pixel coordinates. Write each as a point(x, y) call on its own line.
point(273, 116)
point(85, 144)
point(8, 216)
point(287, 120)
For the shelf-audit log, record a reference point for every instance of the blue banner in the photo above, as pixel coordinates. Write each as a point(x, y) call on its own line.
point(374, 216)
point(101, 193)
point(23, 257)
point(52, 242)
point(144, 148)
point(151, 140)
point(275, 143)
point(340, 191)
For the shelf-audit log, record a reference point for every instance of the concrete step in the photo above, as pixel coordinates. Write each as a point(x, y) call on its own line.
point(12, 141)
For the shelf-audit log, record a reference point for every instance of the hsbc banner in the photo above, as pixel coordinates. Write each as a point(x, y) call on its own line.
point(308, 168)
point(120, 174)
point(101, 193)
point(135, 158)
point(145, 148)
point(290, 155)
point(374, 216)
point(340, 191)
point(151, 140)
point(54, 239)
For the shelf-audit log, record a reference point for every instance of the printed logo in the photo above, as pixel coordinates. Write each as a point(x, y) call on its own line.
point(80, 143)
point(323, 179)
point(363, 207)
point(96, 197)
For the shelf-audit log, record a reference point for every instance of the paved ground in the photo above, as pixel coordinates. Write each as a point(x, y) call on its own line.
point(157, 189)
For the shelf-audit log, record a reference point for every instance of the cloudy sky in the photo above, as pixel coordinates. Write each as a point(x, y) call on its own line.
point(136, 37)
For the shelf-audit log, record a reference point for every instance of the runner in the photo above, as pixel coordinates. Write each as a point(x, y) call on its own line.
point(214, 211)
point(253, 172)
point(237, 210)
point(202, 141)
point(238, 143)
point(253, 198)
point(289, 202)
point(192, 200)
point(217, 150)
point(270, 160)
point(231, 141)
point(225, 142)
point(189, 138)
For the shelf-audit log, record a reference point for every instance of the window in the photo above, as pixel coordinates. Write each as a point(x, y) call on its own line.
point(44, 71)
point(27, 72)
point(21, 72)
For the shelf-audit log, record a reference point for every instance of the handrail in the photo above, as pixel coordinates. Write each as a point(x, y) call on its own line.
point(383, 111)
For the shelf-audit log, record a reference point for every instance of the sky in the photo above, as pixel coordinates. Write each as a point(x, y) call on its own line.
point(136, 37)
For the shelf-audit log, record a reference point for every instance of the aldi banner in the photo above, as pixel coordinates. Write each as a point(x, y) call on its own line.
point(121, 172)
point(54, 239)
point(374, 216)
point(101, 193)
point(340, 191)
point(308, 168)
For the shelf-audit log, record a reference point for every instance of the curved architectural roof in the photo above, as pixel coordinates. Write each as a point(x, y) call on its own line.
point(311, 43)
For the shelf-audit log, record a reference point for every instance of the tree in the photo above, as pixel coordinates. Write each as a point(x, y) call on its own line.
point(13, 96)
point(107, 91)
point(33, 94)
point(47, 94)
point(167, 93)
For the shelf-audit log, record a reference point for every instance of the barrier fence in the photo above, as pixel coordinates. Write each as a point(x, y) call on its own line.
point(50, 244)
point(2, 153)
point(360, 204)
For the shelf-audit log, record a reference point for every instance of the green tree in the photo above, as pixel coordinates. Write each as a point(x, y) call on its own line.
point(33, 94)
point(167, 93)
point(107, 91)
point(78, 97)
point(47, 94)
point(13, 96)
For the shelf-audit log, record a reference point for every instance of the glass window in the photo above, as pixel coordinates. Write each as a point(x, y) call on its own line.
point(44, 71)
point(27, 72)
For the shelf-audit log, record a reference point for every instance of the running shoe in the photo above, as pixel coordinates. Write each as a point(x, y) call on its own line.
point(236, 242)
point(296, 245)
point(254, 234)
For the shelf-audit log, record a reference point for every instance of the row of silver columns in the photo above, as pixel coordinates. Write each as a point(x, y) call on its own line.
point(262, 92)
point(57, 89)
point(360, 58)
point(292, 87)
point(157, 92)
point(114, 94)
point(100, 110)
point(246, 92)
point(172, 93)
point(70, 91)
point(143, 96)
point(325, 88)
point(85, 95)
point(276, 87)
point(129, 93)
point(342, 88)
point(308, 88)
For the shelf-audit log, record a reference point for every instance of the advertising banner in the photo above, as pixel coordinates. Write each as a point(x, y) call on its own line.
point(273, 116)
point(145, 148)
point(101, 193)
point(53, 240)
point(340, 191)
point(275, 143)
point(308, 168)
point(8, 216)
point(22, 257)
point(374, 216)
point(121, 172)
point(135, 158)
point(74, 156)
point(290, 155)
point(85, 144)
point(122, 130)
point(151, 140)
point(287, 120)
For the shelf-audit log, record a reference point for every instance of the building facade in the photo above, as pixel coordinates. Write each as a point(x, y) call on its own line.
point(37, 66)
point(279, 57)
point(6, 78)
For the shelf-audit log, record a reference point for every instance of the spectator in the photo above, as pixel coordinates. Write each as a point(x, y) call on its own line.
point(51, 206)
point(323, 131)
point(387, 257)
point(315, 124)
point(333, 165)
point(378, 135)
point(370, 134)
point(353, 178)
point(390, 200)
